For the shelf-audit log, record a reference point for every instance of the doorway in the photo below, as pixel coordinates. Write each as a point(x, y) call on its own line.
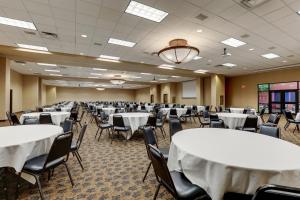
point(165, 98)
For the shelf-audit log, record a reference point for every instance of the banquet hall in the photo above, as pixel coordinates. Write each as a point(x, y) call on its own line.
point(150, 99)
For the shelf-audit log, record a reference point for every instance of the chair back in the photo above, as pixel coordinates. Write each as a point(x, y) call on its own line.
point(213, 117)
point(262, 111)
point(288, 115)
point(81, 135)
point(205, 114)
point(272, 118)
point(82, 114)
point(30, 121)
point(68, 126)
point(189, 111)
point(45, 118)
point(270, 131)
point(174, 126)
point(149, 136)
point(143, 107)
point(74, 115)
point(274, 192)
point(60, 147)
point(14, 119)
point(173, 111)
point(9, 118)
point(39, 109)
point(58, 109)
point(207, 108)
point(251, 122)
point(217, 124)
point(118, 121)
point(166, 105)
point(151, 121)
point(161, 169)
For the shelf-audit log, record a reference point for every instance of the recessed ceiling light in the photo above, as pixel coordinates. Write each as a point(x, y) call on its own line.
point(52, 70)
point(99, 69)
point(47, 64)
point(108, 58)
point(96, 74)
point(93, 77)
point(17, 23)
point(233, 42)
point(84, 36)
point(298, 12)
point(229, 65)
point(251, 49)
point(270, 55)
point(135, 77)
point(199, 31)
point(33, 47)
point(163, 79)
point(81, 54)
point(165, 66)
point(33, 51)
point(200, 71)
point(100, 89)
point(121, 42)
point(55, 74)
point(284, 61)
point(147, 12)
point(175, 76)
point(153, 81)
point(197, 57)
point(144, 73)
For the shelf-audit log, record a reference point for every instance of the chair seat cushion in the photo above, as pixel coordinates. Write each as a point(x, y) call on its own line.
point(159, 124)
point(165, 152)
point(119, 128)
point(185, 189)
point(270, 124)
point(249, 129)
point(36, 164)
point(73, 145)
point(106, 126)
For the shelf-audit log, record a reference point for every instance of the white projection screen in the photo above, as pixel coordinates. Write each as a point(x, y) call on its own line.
point(189, 89)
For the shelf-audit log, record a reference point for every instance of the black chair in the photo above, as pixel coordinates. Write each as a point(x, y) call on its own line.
point(45, 118)
point(207, 108)
point(80, 119)
point(160, 121)
point(273, 120)
point(39, 109)
point(14, 119)
point(175, 182)
point(217, 124)
point(250, 124)
point(261, 114)
point(102, 125)
point(188, 114)
point(76, 145)
point(119, 126)
point(214, 117)
point(58, 155)
point(58, 109)
point(290, 120)
point(30, 121)
point(67, 126)
point(277, 192)
point(174, 127)
point(149, 138)
point(270, 131)
point(204, 120)
point(173, 113)
point(9, 118)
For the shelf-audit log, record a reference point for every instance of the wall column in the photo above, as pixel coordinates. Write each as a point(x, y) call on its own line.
point(4, 87)
point(217, 90)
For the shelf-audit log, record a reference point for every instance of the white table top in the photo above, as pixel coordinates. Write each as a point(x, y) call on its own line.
point(243, 161)
point(20, 143)
point(234, 120)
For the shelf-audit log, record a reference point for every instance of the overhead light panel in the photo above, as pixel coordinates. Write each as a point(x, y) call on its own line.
point(197, 57)
point(165, 66)
point(135, 77)
point(252, 49)
point(47, 64)
point(93, 77)
point(52, 70)
point(17, 23)
point(200, 71)
point(99, 69)
point(175, 76)
point(121, 42)
point(229, 65)
point(233, 42)
point(100, 89)
point(96, 74)
point(33, 47)
point(270, 55)
point(55, 74)
point(144, 11)
point(107, 58)
point(298, 12)
point(144, 73)
point(163, 79)
point(33, 51)
point(84, 36)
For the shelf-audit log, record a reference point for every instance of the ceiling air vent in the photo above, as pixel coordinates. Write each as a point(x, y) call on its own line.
point(290, 56)
point(98, 44)
point(20, 62)
point(250, 4)
point(245, 36)
point(271, 48)
point(202, 17)
point(35, 73)
point(30, 32)
point(62, 67)
point(48, 35)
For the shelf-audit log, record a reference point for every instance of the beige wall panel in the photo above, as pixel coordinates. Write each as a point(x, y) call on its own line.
point(206, 91)
point(51, 95)
point(4, 87)
point(16, 84)
point(30, 92)
point(142, 95)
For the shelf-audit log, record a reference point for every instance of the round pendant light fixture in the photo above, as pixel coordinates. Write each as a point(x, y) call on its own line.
point(178, 52)
point(117, 80)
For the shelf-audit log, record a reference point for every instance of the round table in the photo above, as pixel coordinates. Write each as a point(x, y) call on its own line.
point(241, 110)
point(234, 120)
point(226, 160)
point(180, 111)
point(148, 108)
point(133, 120)
point(57, 117)
point(20, 143)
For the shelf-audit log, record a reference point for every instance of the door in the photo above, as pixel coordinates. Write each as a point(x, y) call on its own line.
point(283, 100)
point(152, 98)
point(290, 102)
point(165, 98)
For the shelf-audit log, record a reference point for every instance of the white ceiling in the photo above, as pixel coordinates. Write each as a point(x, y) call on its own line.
point(273, 24)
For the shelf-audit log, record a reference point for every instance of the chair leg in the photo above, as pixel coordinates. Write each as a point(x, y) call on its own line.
point(156, 192)
point(70, 177)
point(147, 171)
point(97, 132)
point(39, 186)
point(162, 132)
point(100, 134)
point(78, 159)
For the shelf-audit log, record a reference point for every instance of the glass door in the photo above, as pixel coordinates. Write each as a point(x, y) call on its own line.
point(283, 100)
point(290, 102)
point(276, 102)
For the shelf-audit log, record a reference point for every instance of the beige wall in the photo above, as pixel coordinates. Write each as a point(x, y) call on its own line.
point(16, 85)
point(217, 89)
point(241, 91)
point(51, 95)
point(190, 101)
point(142, 95)
point(30, 92)
point(91, 94)
point(206, 91)
point(155, 91)
point(4, 87)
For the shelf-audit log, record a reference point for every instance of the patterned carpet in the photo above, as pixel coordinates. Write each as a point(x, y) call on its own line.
point(112, 171)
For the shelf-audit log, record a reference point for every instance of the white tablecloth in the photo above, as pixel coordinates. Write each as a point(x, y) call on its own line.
point(57, 117)
point(20, 143)
point(234, 120)
point(134, 120)
point(199, 108)
point(241, 110)
point(180, 111)
point(297, 117)
point(49, 109)
point(226, 160)
point(148, 108)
